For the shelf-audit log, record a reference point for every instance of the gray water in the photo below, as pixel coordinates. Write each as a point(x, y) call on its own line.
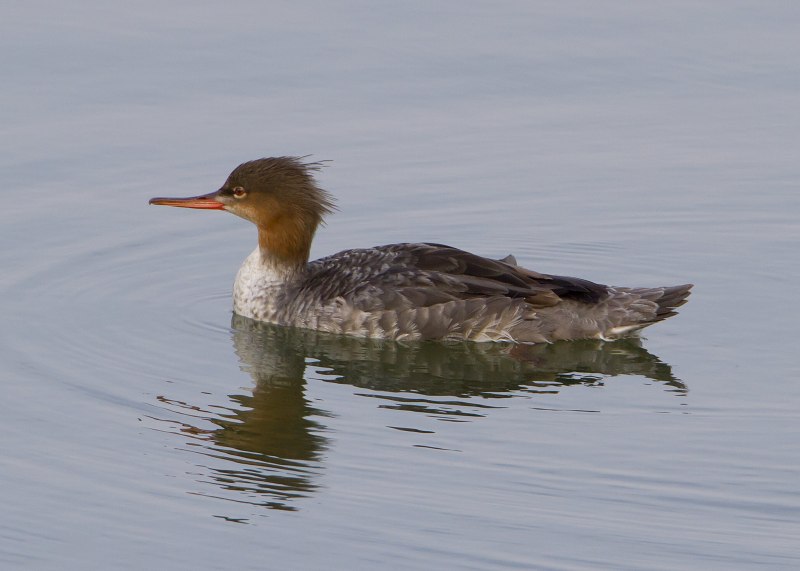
point(628, 143)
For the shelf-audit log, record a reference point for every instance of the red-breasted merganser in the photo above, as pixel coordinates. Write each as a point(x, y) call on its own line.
point(405, 291)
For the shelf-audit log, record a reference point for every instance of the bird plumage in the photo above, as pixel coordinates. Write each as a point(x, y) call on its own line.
point(409, 291)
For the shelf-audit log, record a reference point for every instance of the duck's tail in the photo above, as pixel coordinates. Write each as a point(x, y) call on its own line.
point(670, 299)
point(637, 308)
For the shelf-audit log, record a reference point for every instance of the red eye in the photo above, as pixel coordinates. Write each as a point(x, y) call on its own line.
point(239, 192)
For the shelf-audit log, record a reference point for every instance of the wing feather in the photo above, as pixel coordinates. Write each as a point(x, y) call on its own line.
point(404, 276)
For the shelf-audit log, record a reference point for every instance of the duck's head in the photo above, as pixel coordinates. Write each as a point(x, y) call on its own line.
point(264, 191)
point(279, 195)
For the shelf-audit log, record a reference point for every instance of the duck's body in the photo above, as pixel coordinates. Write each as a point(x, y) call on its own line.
point(406, 291)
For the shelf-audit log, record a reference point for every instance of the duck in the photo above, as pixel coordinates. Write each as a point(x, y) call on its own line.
point(407, 291)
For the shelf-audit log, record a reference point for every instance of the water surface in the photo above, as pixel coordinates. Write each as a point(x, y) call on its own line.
point(145, 426)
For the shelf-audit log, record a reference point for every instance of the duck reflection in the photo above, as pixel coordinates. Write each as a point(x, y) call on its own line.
point(275, 435)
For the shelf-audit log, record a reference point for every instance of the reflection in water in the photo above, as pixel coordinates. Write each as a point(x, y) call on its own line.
point(272, 442)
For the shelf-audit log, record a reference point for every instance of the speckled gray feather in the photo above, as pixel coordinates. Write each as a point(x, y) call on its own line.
point(433, 291)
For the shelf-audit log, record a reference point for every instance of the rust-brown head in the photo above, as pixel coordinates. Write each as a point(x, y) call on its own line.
point(279, 195)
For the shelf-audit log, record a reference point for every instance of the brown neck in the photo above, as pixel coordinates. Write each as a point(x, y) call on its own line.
point(286, 242)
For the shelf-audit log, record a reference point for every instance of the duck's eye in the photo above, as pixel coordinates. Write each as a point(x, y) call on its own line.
point(239, 192)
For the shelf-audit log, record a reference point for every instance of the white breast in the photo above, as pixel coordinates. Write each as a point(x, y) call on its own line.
point(256, 288)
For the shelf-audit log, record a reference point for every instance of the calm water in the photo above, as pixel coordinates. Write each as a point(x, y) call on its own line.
point(143, 427)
